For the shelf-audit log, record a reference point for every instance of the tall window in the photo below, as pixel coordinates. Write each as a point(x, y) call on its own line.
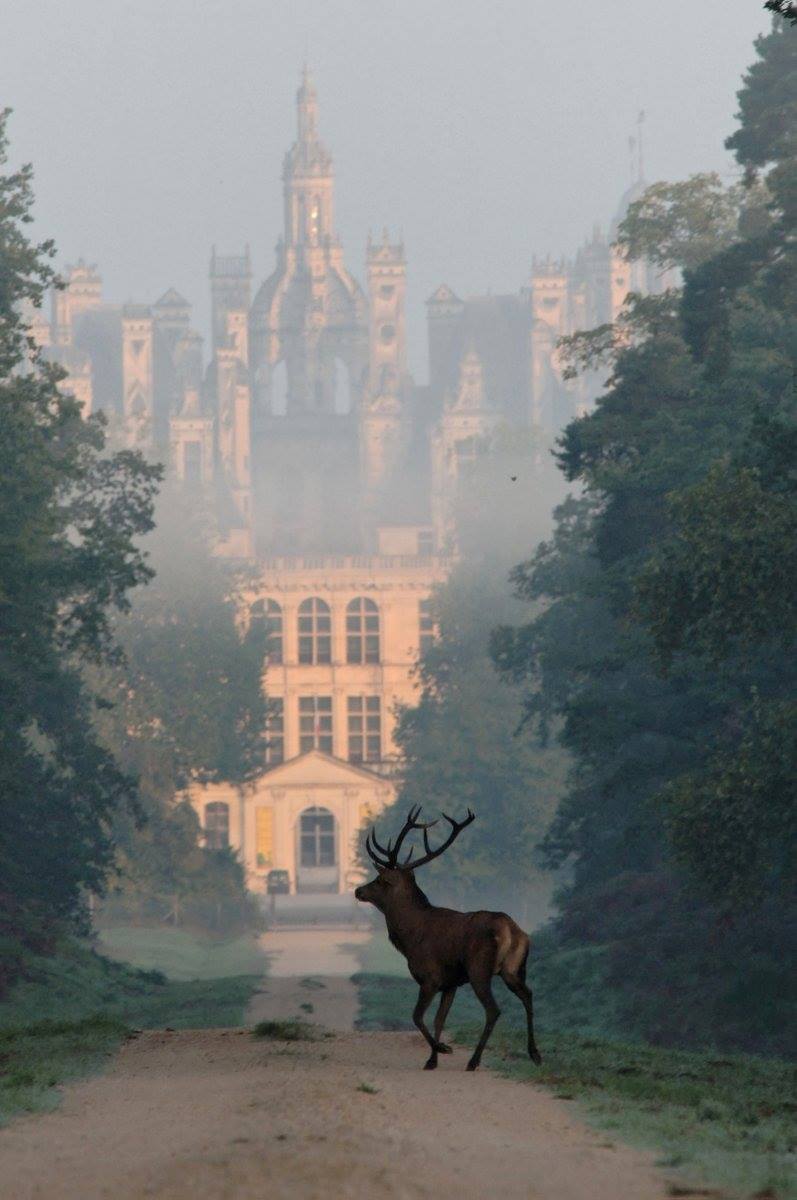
point(466, 450)
point(217, 825)
point(266, 621)
point(317, 838)
point(315, 631)
point(425, 625)
point(362, 631)
point(425, 541)
point(315, 724)
point(365, 728)
point(275, 731)
point(192, 462)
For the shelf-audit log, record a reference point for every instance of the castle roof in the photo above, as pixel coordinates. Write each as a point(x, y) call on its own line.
point(171, 298)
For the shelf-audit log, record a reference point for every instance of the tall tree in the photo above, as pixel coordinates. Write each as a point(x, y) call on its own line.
point(69, 516)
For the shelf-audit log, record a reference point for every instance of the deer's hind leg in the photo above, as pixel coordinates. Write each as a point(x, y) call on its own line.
point(446, 1000)
point(516, 982)
point(425, 997)
point(480, 975)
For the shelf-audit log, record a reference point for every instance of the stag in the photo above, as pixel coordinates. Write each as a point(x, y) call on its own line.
point(444, 948)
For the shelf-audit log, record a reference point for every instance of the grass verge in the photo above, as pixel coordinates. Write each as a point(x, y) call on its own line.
point(72, 1010)
point(723, 1121)
point(181, 955)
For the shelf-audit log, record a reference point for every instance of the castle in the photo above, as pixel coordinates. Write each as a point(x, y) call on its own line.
point(329, 467)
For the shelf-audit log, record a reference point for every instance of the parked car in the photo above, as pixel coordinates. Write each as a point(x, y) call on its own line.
point(278, 883)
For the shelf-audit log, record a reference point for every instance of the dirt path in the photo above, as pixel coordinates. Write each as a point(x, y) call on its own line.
point(218, 1115)
point(309, 978)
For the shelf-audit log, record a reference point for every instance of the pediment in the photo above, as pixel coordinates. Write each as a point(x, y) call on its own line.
point(443, 295)
point(315, 768)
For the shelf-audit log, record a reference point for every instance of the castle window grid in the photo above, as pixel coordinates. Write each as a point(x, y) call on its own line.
point(315, 631)
point(362, 631)
point(365, 728)
point(217, 825)
point(315, 724)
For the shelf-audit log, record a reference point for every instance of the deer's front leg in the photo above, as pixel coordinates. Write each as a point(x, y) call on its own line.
point(425, 997)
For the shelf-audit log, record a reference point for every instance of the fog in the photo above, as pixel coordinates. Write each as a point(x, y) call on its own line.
point(484, 133)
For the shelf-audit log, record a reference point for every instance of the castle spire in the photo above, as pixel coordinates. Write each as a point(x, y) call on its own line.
point(307, 107)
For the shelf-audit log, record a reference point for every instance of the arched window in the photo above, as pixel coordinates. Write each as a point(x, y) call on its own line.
point(317, 838)
point(315, 219)
point(217, 825)
point(362, 631)
point(265, 620)
point(279, 389)
point(315, 631)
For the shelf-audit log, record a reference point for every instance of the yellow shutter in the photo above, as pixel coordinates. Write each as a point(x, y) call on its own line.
point(264, 835)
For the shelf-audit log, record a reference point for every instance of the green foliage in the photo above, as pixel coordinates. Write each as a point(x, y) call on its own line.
point(185, 702)
point(682, 224)
point(460, 750)
point(664, 648)
point(69, 516)
point(725, 576)
point(734, 822)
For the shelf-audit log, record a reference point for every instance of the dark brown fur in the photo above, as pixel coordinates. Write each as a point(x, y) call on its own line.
point(445, 949)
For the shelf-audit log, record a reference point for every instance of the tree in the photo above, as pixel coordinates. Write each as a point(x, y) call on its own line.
point(69, 516)
point(459, 743)
point(665, 643)
point(186, 703)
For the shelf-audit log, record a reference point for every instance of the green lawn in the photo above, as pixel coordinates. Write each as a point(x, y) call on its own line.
point(72, 1010)
point(720, 1120)
point(181, 955)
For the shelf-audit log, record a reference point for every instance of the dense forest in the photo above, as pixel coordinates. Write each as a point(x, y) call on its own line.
point(658, 651)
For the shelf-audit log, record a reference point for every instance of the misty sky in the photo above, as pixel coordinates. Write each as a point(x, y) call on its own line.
point(485, 131)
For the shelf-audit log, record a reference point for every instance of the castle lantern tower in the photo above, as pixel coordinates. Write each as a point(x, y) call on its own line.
point(307, 177)
point(307, 326)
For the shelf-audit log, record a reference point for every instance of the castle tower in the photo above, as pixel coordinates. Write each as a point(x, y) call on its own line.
point(387, 337)
point(230, 288)
point(444, 313)
point(307, 179)
point(138, 400)
point(548, 298)
point(459, 438)
point(381, 419)
point(82, 293)
point(308, 333)
point(191, 441)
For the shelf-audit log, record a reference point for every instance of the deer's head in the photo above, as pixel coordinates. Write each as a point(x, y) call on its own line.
point(395, 881)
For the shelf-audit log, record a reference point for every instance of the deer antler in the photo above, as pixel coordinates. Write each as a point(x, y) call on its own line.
point(456, 830)
point(370, 847)
point(387, 857)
